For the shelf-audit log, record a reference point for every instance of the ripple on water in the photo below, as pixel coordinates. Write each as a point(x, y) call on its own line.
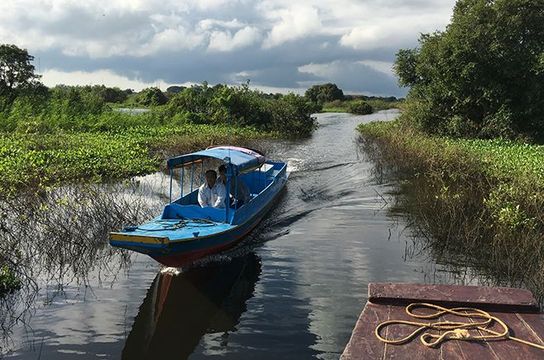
point(292, 289)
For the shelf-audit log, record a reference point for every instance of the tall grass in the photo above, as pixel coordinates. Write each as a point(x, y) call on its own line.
point(59, 238)
point(480, 199)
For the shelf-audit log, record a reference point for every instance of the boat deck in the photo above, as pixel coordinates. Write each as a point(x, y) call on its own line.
point(516, 307)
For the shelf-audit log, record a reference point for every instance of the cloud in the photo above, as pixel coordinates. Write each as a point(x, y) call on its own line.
point(54, 77)
point(225, 41)
point(381, 66)
point(391, 32)
point(292, 23)
point(353, 76)
point(218, 40)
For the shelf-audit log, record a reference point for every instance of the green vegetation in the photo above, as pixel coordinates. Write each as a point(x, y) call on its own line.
point(474, 186)
point(151, 97)
point(482, 200)
point(350, 105)
point(73, 133)
point(329, 98)
point(8, 281)
point(320, 94)
point(360, 107)
point(483, 76)
point(35, 161)
point(16, 74)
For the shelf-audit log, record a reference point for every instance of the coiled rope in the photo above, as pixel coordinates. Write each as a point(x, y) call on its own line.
point(452, 330)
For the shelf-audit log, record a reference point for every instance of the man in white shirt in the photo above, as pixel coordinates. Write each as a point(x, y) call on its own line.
point(239, 191)
point(212, 193)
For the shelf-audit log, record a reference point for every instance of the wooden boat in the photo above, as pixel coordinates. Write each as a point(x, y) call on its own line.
point(185, 231)
point(386, 314)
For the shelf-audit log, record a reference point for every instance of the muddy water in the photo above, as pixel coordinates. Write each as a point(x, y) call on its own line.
point(292, 290)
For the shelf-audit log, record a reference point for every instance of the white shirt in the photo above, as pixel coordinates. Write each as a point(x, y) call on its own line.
point(214, 197)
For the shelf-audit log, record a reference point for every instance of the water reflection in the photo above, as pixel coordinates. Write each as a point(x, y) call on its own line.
point(180, 308)
point(56, 244)
point(293, 289)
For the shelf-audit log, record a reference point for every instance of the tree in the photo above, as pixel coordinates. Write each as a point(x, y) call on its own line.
point(324, 93)
point(360, 107)
point(484, 75)
point(16, 72)
point(174, 89)
point(151, 97)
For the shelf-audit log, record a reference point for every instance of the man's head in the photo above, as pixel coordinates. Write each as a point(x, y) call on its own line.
point(211, 176)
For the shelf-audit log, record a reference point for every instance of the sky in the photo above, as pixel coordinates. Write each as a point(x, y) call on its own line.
point(278, 45)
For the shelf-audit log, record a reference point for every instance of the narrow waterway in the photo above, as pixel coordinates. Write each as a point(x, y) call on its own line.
point(292, 290)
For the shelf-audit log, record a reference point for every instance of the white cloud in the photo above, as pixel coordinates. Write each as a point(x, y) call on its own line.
point(393, 31)
point(225, 41)
point(321, 70)
point(381, 66)
point(292, 23)
point(209, 24)
point(177, 39)
point(54, 77)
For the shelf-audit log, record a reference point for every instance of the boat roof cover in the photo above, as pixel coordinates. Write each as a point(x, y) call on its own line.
point(240, 157)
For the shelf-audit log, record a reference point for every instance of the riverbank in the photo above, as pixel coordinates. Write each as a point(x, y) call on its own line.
point(480, 201)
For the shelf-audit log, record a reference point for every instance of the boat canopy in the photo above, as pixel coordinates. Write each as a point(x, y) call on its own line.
point(241, 158)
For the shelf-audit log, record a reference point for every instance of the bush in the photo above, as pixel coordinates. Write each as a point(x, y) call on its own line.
point(324, 93)
point(360, 107)
point(151, 97)
point(221, 104)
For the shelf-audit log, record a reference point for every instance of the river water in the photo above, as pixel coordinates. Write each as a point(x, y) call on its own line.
point(292, 290)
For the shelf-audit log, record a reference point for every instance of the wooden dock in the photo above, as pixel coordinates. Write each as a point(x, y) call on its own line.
point(516, 307)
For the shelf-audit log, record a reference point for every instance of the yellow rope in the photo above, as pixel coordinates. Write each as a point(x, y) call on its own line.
point(452, 330)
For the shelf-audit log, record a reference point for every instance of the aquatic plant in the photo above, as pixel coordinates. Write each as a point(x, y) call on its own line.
point(483, 199)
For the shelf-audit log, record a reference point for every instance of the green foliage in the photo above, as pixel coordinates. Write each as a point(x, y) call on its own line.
point(221, 104)
point(360, 107)
point(324, 93)
point(8, 281)
point(174, 89)
point(483, 76)
point(151, 97)
point(480, 198)
point(291, 115)
point(16, 73)
point(69, 133)
point(39, 160)
point(513, 171)
point(353, 105)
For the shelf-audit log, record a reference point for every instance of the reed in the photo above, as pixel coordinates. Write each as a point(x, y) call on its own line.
point(476, 199)
point(59, 238)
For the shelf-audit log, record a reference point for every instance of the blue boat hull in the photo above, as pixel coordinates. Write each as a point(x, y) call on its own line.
point(165, 248)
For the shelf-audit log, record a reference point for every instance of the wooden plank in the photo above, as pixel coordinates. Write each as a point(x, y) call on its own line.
point(470, 349)
point(510, 349)
point(388, 301)
point(505, 299)
point(534, 322)
point(413, 349)
point(363, 344)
